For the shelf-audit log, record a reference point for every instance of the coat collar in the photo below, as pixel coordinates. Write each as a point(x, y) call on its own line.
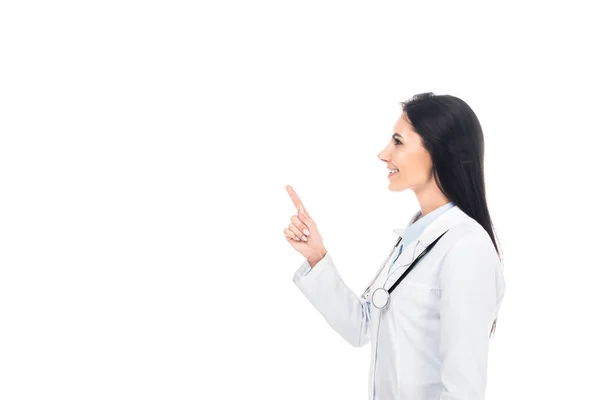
point(435, 229)
point(400, 231)
point(438, 226)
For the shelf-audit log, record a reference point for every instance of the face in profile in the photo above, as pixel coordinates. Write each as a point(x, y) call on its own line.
point(406, 154)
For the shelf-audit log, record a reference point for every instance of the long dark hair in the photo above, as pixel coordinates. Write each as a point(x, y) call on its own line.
point(452, 135)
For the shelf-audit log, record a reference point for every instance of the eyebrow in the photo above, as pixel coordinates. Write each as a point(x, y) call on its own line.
point(397, 134)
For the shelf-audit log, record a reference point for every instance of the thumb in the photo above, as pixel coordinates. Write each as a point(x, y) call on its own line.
point(305, 218)
point(304, 213)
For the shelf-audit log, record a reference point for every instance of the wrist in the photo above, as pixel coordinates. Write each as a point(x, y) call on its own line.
point(314, 260)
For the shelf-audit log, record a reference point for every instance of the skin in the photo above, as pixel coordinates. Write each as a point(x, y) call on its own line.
point(406, 153)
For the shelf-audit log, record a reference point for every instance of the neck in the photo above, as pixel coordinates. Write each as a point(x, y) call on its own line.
point(430, 198)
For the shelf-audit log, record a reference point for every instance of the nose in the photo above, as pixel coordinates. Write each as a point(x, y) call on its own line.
point(381, 156)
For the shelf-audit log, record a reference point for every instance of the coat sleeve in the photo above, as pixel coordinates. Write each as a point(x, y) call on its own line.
point(343, 310)
point(467, 311)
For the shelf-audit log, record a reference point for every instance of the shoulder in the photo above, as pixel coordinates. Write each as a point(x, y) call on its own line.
point(469, 241)
point(469, 232)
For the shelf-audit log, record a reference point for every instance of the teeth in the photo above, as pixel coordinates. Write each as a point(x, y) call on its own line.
point(393, 170)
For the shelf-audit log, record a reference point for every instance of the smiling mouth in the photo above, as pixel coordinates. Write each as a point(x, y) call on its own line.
point(392, 173)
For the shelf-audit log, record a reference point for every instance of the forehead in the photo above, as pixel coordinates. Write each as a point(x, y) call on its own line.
point(403, 127)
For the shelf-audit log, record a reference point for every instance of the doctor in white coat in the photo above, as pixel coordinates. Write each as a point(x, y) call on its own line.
point(430, 340)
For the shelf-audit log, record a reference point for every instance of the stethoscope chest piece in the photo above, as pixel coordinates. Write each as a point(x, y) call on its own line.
point(380, 298)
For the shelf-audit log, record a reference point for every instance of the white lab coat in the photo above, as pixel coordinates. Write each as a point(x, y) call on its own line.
point(431, 342)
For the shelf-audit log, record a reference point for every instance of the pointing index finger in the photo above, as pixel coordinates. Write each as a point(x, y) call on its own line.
point(297, 202)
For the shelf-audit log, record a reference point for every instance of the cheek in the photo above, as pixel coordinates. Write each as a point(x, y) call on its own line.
point(401, 159)
point(422, 167)
point(414, 166)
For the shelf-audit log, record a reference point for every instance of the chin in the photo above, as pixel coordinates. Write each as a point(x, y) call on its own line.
point(395, 188)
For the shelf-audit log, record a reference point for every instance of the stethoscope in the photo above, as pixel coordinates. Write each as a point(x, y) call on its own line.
point(381, 296)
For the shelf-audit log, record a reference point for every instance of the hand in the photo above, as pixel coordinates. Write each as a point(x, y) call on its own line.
point(309, 245)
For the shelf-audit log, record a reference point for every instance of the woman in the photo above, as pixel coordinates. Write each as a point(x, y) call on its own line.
point(430, 339)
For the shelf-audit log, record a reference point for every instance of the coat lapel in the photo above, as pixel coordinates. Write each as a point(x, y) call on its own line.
point(438, 226)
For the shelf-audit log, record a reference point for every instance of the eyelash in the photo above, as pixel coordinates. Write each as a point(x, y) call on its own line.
point(397, 141)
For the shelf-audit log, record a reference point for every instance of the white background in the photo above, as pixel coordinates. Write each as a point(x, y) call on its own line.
point(144, 152)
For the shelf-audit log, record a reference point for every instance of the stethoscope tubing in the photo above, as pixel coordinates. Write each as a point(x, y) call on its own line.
point(380, 297)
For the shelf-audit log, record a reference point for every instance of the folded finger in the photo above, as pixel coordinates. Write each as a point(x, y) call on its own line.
point(297, 232)
point(302, 227)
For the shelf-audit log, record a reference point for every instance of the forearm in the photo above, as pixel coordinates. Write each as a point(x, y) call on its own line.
point(342, 309)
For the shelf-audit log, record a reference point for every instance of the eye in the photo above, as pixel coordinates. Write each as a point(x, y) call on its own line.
point(397, 141)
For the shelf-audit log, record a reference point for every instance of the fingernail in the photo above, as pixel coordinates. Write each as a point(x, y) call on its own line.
point(297, 239)
point(306, 232)
point(304, 238)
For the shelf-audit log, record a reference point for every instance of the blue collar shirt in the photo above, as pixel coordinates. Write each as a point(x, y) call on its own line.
point(415, 229)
